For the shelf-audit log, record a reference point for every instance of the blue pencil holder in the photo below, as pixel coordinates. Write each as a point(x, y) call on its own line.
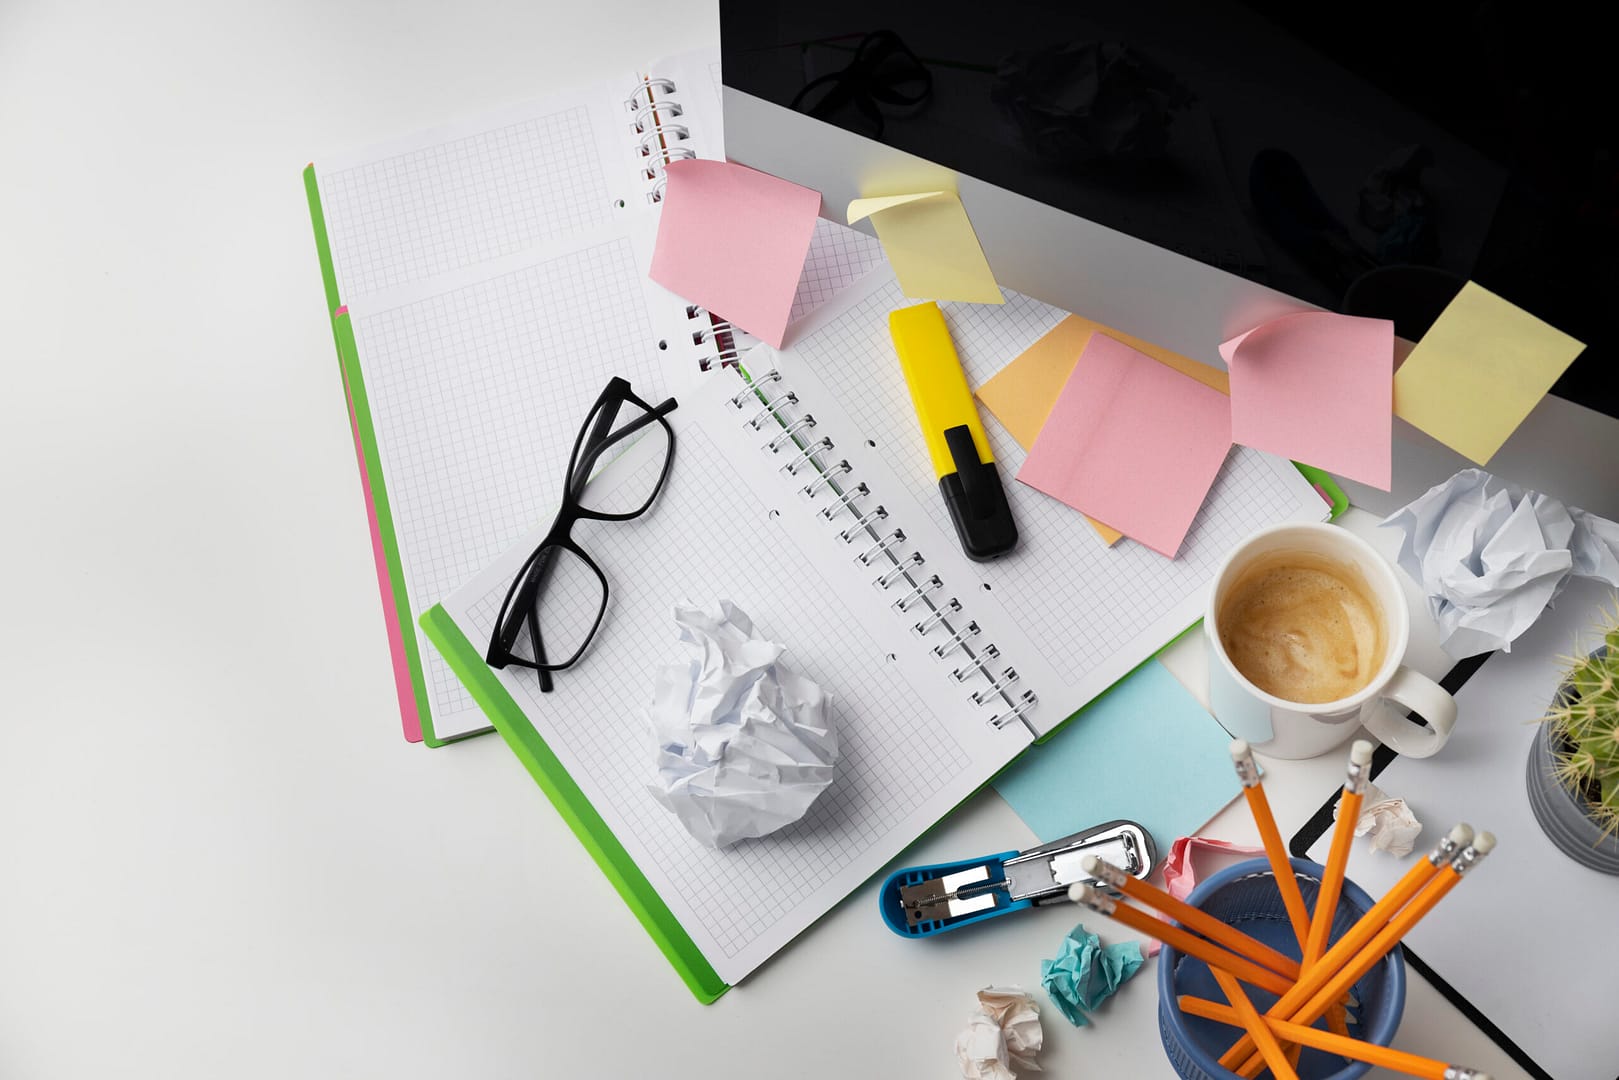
point(1245, 896)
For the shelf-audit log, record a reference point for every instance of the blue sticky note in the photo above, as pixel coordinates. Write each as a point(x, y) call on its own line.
point(1145, 751)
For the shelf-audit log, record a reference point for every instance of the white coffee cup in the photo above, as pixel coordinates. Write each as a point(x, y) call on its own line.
point(1290, 729)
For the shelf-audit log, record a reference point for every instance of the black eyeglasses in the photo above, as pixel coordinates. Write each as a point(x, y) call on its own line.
point(620, 460)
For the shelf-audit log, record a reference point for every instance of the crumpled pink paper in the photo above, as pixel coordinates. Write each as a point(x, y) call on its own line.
point(1180, 872)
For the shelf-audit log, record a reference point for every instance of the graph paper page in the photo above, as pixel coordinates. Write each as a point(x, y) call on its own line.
point(727, 525)
point(1072, 615)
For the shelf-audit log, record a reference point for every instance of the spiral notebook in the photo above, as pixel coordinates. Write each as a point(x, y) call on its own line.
point(783, 498)
point(485, 280)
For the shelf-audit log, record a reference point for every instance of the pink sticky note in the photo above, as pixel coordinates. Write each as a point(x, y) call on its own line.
point(733, 240)
point(1318, 388)
point(1132, 443)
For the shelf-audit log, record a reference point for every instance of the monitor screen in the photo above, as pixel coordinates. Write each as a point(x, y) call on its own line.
point(1369, 163)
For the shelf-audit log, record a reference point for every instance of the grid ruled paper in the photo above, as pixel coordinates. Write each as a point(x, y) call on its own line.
point(477, 394)
point(1076, 601)
point(902, 764)
point(407, 216)
point(838, 256)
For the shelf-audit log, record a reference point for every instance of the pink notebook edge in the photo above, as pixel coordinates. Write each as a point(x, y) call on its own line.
point(409, 716)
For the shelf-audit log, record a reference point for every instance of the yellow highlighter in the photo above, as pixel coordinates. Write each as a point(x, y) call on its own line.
point(955, 435)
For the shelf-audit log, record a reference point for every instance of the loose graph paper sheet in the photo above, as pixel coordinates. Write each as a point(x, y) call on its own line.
point(912, 745)
point(1073, 615)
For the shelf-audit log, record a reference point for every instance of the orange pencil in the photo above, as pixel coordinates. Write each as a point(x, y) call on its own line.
point(1247, 772)
point(1326, 900)
point(1189, 916)
point(1365, 928)
point(1384, 1057)
point(1281, 1066)
point(1213, 955)
point(1387, 938)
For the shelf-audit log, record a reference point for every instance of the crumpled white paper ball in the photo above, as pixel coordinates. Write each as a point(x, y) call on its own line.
point(1002, 1036)
point(745, 745)
point(1491, 556)
point(1388, 821)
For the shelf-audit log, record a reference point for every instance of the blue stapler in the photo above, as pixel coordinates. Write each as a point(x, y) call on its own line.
point(924, 900)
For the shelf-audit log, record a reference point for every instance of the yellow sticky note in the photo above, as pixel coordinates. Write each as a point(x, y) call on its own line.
point(1021, 394)
point(931, 246)
point(1478, 371)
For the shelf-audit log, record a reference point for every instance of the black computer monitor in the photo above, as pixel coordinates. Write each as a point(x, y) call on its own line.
point(1366, 158)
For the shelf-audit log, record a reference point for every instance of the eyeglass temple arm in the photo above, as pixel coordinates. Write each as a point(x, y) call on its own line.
point(594, 448)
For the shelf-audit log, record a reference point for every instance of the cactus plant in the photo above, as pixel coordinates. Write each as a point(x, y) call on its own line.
point(1584, 730)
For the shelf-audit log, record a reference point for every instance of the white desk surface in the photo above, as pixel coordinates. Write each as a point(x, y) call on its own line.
point(217, 856)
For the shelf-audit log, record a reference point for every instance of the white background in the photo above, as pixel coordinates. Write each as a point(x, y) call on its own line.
point(217, 856)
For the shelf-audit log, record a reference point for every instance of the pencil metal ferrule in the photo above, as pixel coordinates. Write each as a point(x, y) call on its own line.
point(1462, 1072)
point(1104, 871)
point(1092, 898)
point(1242, 759)
point(1357, 778)
point(1446, 849)
point(1469, 858)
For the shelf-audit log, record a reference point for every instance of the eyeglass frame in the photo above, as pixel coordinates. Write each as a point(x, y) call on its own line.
point(596, 435)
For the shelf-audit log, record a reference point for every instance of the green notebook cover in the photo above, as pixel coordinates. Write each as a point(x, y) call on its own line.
point(468, 664)
point(406, 649)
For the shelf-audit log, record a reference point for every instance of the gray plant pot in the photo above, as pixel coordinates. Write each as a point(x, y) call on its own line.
point(1561, 813)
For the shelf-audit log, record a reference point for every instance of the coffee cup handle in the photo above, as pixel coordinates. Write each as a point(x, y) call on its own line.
point(1421, 695)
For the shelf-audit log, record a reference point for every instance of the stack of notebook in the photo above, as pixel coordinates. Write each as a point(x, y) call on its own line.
point(485, 281)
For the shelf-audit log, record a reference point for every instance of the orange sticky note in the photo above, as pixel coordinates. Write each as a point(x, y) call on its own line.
point(1022, 393)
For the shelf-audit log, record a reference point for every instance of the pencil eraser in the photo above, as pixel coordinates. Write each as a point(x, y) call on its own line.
point(1080, 892)
point(1091, 864)
point(1360, 752)
point(1484, 842)
point(1240, 750)
point(1461, 834)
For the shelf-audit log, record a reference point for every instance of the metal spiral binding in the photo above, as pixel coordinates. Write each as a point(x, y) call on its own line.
point(715, 328)
point(845, 500)
point(738, 400)
point(938, 615)
point(655, 110)
point(786, 396)
point(813, 488)
point(956, 640)
point(646, 86)
point(651, 118)
point(820, 446)
point(1024, 703)
point(876, 513)
point(895, 537)
point(900, 569)
point(661, 157)
point(803, 423)
point(996, 684)
point(977, 664)
point(679, 132)
point(908, 601)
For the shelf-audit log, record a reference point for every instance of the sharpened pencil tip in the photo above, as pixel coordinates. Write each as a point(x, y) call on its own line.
point(1360, 752)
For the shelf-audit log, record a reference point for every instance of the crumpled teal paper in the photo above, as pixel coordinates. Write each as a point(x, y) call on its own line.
point(1085, 974)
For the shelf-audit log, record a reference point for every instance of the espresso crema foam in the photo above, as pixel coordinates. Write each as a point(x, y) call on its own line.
point(1303, 627)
